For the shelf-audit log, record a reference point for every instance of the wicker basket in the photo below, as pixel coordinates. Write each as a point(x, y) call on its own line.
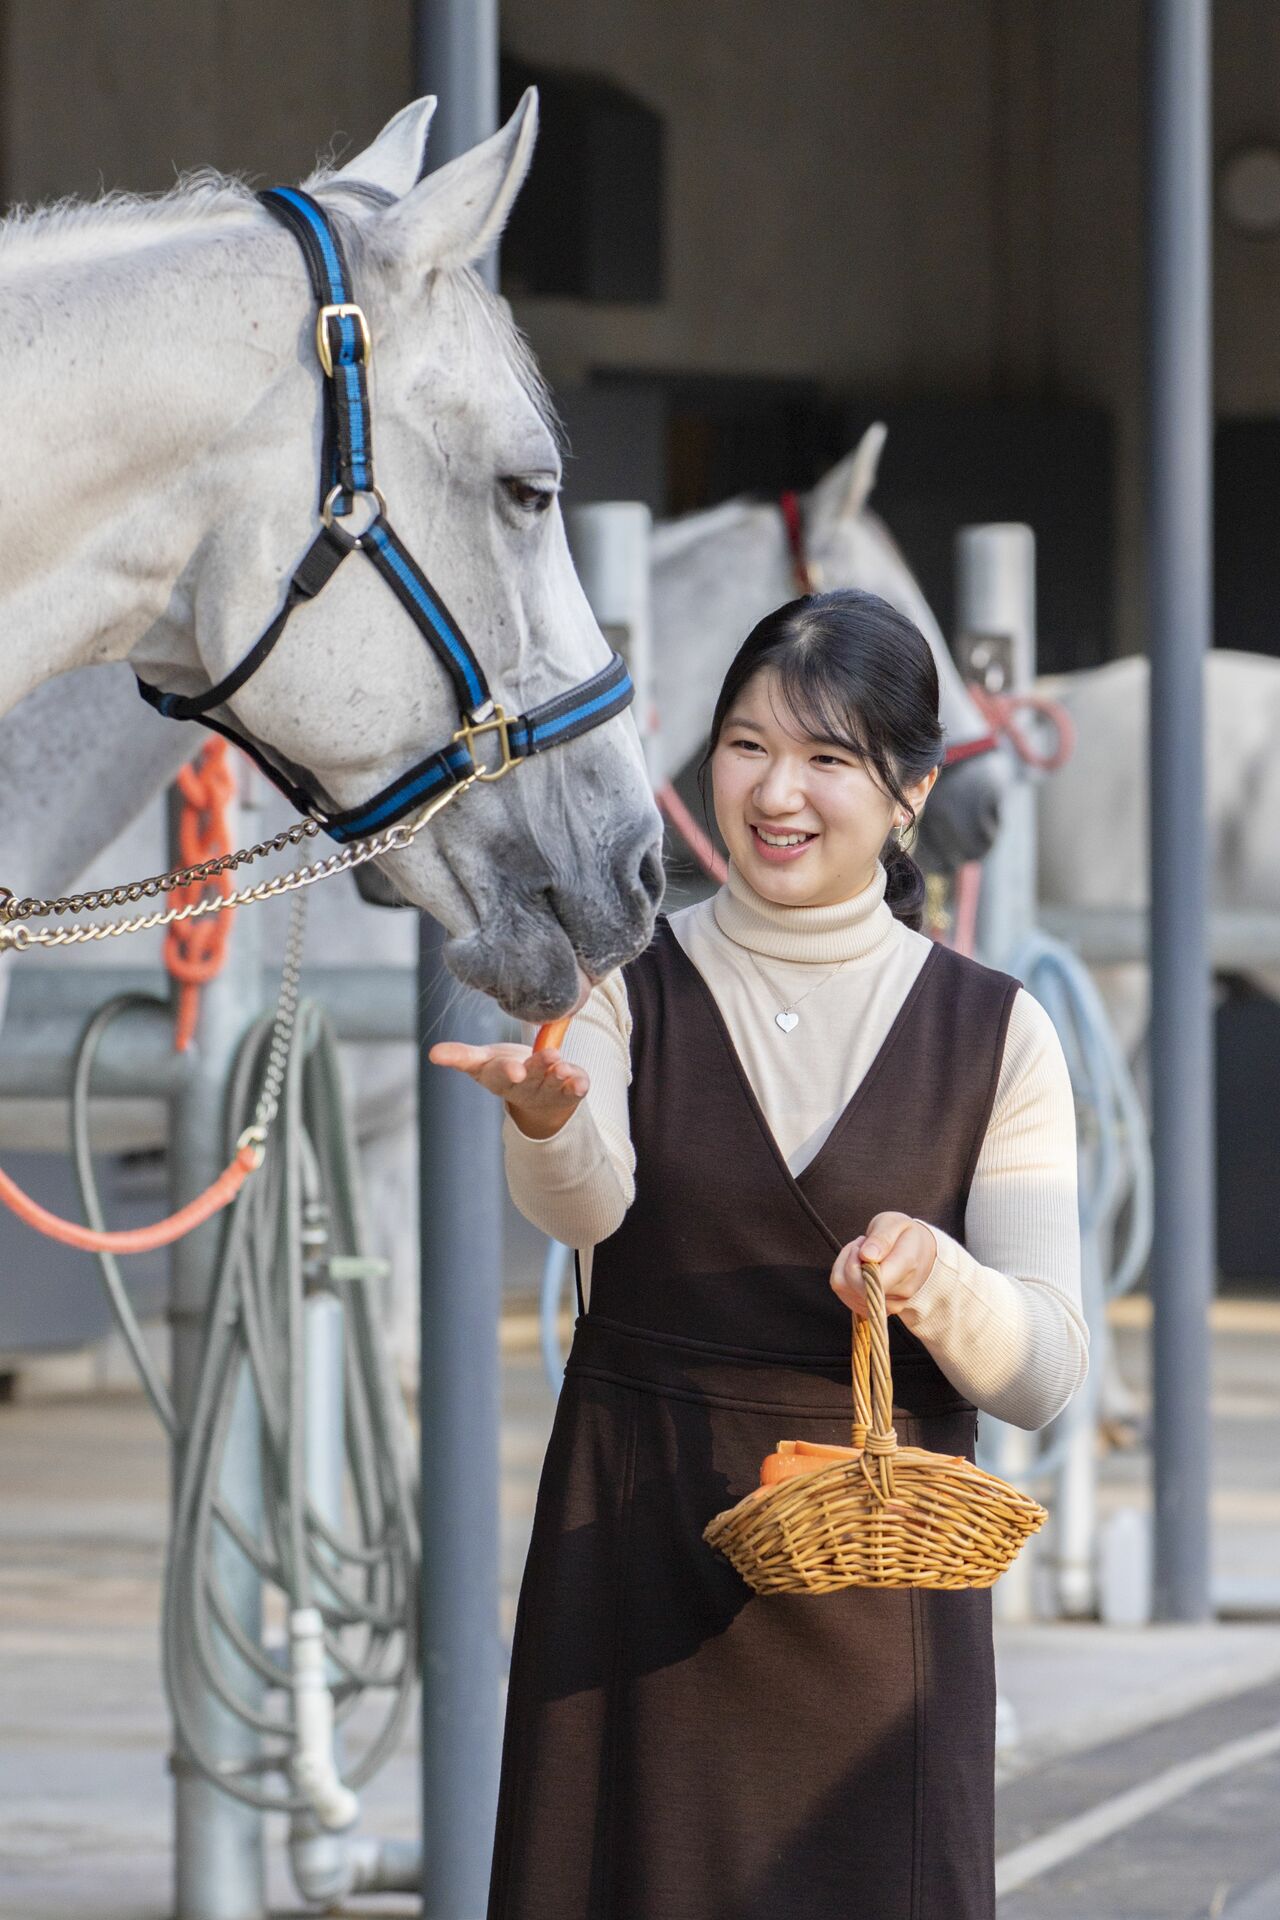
point(891, 1516)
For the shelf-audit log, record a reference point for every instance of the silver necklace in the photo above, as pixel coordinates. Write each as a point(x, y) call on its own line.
point(786, 1017)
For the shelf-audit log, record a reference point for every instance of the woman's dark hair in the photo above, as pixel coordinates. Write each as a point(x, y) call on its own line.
point(852, 669)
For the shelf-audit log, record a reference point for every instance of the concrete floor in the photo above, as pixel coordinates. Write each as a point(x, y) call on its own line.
point(84, 1790)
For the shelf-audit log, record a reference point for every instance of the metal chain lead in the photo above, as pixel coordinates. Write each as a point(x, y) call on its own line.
point(392, 840)
point(100, 897)
point(282, 1029)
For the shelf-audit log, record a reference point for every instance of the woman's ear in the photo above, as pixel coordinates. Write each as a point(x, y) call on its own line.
point(923, 788)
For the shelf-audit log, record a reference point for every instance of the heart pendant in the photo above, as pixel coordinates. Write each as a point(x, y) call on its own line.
point(786, 1020)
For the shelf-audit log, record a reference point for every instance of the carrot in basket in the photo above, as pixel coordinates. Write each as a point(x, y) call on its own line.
point(800, 1456)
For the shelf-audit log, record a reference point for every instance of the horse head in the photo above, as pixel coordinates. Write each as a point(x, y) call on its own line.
point(555, 871)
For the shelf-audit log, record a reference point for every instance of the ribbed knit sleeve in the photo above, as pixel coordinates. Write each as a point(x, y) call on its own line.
point(1002, 1316)
point(577, 1185)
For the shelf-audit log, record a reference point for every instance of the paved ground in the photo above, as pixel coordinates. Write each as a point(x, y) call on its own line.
point(1142, 1785)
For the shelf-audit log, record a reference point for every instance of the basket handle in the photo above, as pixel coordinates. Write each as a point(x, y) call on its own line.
point(873, 1382)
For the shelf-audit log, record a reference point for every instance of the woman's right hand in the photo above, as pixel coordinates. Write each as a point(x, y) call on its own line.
point(541, 1090)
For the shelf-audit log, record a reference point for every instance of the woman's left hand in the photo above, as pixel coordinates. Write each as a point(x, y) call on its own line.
point(904, 1250)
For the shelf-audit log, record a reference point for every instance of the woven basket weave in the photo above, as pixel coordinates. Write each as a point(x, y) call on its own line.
point(891, 1516)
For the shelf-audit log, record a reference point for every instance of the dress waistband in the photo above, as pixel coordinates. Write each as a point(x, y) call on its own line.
point(773, 1382)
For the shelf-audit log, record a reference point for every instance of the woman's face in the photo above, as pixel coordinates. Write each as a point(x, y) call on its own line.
point(772, 783)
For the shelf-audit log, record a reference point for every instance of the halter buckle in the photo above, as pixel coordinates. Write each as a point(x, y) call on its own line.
point(344, 310)
point(496, 723)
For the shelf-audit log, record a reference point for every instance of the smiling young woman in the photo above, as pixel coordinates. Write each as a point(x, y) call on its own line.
point(791, 1076)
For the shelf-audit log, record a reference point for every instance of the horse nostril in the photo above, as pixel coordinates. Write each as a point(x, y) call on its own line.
point(652, 875)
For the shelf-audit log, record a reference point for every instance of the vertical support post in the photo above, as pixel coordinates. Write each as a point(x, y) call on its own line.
point(460, 1197)
point(325, 1854)
point(455, 56)
point(219, 1871)
point(1180, 572)
point(611, 541)
point(996, 616)
point(460, 1251)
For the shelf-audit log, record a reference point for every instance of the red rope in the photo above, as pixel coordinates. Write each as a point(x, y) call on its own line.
point(699, 845)
point(970, 749)
point(162, 1233)
point(793, 521)
point(1001, 708)
point(195, 951)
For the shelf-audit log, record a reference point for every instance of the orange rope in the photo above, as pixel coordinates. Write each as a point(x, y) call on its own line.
point(196, 950)
point(968, 886)
point(1000, 709)
point(162, 1233)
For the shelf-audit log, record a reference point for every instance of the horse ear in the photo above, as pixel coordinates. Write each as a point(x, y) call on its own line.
point(456, 214)
point(844, 492)
point(394, 161)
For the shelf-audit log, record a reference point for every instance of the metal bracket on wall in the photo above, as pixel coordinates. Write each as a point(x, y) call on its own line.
point(986, 659)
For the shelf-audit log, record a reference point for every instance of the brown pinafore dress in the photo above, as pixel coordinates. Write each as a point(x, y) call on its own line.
point(678, 1748)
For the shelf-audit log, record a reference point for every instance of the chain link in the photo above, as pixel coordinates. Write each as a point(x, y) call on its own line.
point(282, 1029)
point(392, 840)
point(171, 882)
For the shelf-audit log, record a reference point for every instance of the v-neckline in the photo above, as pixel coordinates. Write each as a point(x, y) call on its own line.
point(796, 1182)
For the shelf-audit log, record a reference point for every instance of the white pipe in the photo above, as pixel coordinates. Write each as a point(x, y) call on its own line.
point(329, 1867)
point(314, 1767)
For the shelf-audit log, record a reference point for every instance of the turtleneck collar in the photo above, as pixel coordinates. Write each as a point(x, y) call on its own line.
point(850, 930)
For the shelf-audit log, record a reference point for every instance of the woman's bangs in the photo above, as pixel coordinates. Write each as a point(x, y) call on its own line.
point(819, 706)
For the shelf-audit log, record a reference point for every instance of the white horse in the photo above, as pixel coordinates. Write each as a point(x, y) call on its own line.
point(81, 757)
point(162, 424)
point(1093, 814)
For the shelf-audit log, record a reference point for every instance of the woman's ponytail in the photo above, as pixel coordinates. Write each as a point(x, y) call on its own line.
point(905, 892)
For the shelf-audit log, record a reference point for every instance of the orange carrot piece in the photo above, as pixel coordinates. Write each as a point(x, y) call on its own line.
point(552, 1034)
point(795, 1457)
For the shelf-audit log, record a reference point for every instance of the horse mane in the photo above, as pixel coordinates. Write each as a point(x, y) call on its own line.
point(672, 538)
point(198, 196)
point(483, 312)
point(59, 230)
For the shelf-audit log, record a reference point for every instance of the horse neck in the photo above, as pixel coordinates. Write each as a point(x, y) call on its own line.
point(714, 576)
point(128, 368)
point(79, 760)
point(881, 567)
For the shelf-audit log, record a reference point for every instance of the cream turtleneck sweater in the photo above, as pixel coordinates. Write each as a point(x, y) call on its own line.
point(1000, 1315)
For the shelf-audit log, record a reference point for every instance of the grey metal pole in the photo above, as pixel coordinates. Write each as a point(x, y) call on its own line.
point(460, 1251)
point(1179, 491)
point(219, 1869)
point(455, 56)
point(460, 1197)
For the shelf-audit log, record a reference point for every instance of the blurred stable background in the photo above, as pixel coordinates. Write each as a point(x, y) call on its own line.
point(744, 238)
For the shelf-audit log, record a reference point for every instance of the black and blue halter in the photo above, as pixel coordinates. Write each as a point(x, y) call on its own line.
point(343, 348)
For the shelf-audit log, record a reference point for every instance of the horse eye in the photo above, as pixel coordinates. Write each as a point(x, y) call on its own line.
point(531, 496)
